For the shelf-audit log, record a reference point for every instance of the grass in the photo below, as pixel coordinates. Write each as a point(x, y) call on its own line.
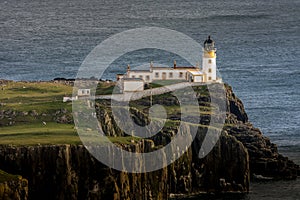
point(46, 98)
point(40, 96)
point(161, 83)
point(51, 133)
point(176, 110)
point(106, 88)
point(33, 89)
point(33, 134)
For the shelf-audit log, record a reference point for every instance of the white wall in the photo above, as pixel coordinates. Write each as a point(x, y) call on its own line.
point(84, 92)
point(152, 75)
point(140, 74)
point(132, 86)
point(206, 66)
point(175, 74)
point(198, 79)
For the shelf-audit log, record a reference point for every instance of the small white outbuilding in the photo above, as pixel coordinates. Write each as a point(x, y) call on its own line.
point(84, 92)
point(133, 84)
point(195, 76)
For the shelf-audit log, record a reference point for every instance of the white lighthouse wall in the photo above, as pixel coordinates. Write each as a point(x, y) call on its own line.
point(206, 65)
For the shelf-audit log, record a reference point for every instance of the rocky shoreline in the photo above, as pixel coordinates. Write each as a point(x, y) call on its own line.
point(70, 172)
point(265, 160)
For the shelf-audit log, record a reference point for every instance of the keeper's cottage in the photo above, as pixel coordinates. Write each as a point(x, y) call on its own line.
point(134, 80)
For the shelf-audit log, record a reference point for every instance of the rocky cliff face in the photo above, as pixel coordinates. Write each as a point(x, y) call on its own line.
point(13, 187)
point(70, 172)
point(264, 157)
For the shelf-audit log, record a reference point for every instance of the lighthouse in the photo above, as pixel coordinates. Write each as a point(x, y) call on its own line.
point(209, 65)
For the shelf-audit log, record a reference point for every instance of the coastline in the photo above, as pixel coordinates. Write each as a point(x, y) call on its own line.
point(237, 117)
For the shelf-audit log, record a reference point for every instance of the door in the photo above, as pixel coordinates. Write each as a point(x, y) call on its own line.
point(164, 76)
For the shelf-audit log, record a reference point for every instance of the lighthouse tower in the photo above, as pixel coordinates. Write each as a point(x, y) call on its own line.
point(209, 65)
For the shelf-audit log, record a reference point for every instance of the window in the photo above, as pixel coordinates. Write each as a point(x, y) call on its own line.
point(180, 74)
point(209, 78)
point(156, 75)
point(209, 61)
point(209, 70)
point(141, 77)
point(133, 76)
point(147, 78)
point(171, 75)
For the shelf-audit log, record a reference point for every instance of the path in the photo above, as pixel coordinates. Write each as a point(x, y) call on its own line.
point(127, 96)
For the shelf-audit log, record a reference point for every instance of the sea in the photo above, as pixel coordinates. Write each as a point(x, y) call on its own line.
point(258, 53)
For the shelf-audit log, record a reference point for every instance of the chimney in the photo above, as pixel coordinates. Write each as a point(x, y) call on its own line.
point(128, 68)
point(198, 65)
point(151, 66)
point(174, 64)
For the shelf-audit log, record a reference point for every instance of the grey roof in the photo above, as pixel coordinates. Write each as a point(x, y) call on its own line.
point(140, 70)
point(132, 79)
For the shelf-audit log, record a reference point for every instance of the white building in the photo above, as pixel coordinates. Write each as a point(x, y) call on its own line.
point(132, 84)
point(84, 92)
point(67, 99)
point(134, 80)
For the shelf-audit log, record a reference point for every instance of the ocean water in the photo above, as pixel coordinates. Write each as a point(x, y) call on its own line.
point(258, 51)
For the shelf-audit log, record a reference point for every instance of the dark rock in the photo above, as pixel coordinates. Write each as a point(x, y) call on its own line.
point(264, 157)
point(33, 113)
point(235, 105)
point(70, 172)
point(15, 188)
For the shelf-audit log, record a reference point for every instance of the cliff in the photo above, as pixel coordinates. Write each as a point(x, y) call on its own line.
point(70, 172)
point(13, 187)
point(265, 160)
